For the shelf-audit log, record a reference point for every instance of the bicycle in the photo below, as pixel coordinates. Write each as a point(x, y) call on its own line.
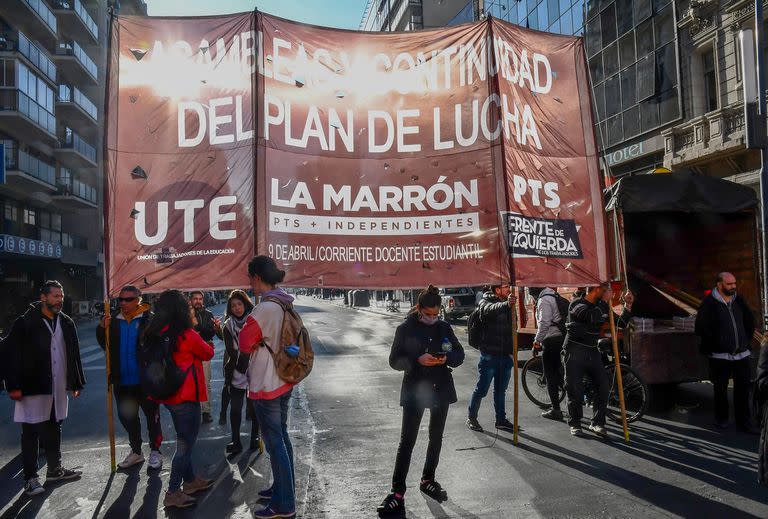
point(635, 390)
point(393, 305)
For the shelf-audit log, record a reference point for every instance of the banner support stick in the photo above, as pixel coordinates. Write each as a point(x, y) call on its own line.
point(619, 381)
point(515, 374)
point(110, 417)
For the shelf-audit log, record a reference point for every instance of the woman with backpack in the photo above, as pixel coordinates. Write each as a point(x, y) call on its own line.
point(262, 335)
point(426, 349)
point(171, 329)
point(239, 305)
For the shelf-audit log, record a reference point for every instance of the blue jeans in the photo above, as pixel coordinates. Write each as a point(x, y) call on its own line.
point(186, 421)
point(496, 369)
point(272, 416)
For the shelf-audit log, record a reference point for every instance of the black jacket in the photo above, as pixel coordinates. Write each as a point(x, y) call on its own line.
point(114, 342)
point(425, 386)
point(762, 396)
point(496, 320)
point(233, 357)
point(205, 326)
point(724, 328)
point(586, 320)
point(29, 354)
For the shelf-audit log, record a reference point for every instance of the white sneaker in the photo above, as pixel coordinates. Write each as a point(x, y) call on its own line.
point(32, 487)
point(131, 460)
point(599, 430)
point(155, 460)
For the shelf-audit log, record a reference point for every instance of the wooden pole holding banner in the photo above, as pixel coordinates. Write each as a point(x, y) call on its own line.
point(515, 374)
point(110, 417)
point(108, 237)
point(619, 381)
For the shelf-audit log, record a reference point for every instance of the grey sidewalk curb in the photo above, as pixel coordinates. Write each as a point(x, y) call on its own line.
point(376, 311)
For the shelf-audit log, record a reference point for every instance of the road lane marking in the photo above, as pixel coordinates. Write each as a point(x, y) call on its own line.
point(89, 349)
point(92, 357)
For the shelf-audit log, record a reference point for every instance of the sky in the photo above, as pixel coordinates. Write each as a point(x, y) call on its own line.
point(344, 14)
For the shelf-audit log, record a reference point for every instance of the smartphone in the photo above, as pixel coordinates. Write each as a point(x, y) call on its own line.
point(439, 354)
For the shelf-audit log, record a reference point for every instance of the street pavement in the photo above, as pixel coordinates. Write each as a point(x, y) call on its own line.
point(345, 423)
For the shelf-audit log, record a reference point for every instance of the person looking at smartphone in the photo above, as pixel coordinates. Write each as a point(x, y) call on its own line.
point(425, 349)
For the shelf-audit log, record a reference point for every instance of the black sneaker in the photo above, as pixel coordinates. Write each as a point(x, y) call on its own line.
point(433, 489)
point(505, 425)
point(207, 418)
point(222, 420)
point(62, 474)
point(234, 448)
point(266, 494)
point(32, 487)
point(553, 414)
point(391, 505)
point(474, 425)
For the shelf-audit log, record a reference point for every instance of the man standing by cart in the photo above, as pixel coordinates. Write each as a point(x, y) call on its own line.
point(586, 317)
point(725, 325)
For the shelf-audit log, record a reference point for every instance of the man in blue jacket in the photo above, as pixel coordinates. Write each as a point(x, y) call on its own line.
point(125, 330)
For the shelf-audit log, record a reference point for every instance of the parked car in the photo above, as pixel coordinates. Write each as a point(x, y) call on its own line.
point(457, 302)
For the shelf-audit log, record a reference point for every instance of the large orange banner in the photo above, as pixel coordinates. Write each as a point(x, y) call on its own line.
point(455, 156)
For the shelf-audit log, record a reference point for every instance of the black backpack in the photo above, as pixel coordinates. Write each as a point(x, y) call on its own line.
point(160, 377)
point(475, 329)
point(562, 308)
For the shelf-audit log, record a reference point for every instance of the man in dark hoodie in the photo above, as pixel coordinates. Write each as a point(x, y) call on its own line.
point(43, 366)
point(497, 310)
point(725, 325)
point(126, 328)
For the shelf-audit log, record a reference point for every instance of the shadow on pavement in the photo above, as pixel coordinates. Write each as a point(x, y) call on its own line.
point(120, 507)
point(667, 497)
point(724, 461)
point(11, 485)
point(26, 506)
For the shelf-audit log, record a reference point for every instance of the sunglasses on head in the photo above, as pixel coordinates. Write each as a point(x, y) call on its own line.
point(127, 299)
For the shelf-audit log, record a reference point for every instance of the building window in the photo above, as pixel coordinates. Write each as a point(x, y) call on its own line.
point(7, 73)
point(710, 79)
point(29, 216)
point(10, 212)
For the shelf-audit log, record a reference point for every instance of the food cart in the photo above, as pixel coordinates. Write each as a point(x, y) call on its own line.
point(671, 235)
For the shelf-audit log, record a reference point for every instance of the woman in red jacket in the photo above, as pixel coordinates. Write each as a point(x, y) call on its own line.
point(172, 319)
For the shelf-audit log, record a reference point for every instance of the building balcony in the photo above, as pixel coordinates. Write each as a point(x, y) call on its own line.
point(34, 17)
point(23, 118)
point(71, 193)
point(74, 107)
point(75, 152)
point(75, 20)
point(29, 174)
point(717, 133)
point(14, 43)
point(74, 64)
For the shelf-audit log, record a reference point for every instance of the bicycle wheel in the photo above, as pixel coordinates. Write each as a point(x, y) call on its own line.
point(635, 394)
point(535, 383)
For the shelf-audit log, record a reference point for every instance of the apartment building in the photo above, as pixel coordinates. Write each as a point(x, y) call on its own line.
point(52, 77)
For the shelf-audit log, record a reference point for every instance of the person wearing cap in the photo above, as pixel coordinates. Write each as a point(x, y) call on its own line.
point(582, 358)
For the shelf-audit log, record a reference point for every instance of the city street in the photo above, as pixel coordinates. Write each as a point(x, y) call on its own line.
point(345, 423)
